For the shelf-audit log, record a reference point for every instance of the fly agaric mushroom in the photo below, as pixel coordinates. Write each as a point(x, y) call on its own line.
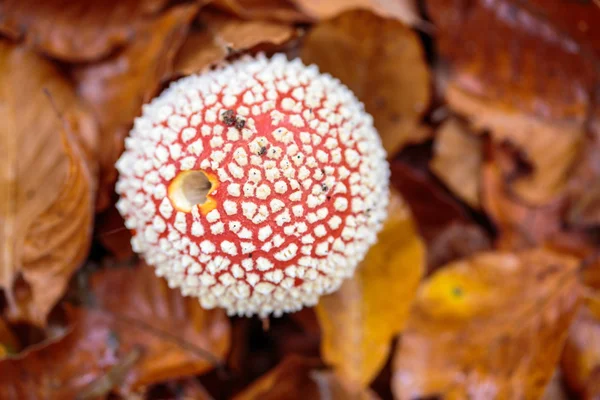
point(256, 187)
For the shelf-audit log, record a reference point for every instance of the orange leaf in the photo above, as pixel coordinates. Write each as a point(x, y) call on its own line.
point(491, 326)
point(581, 356)
point(519, 225)
point(137, 332)
point(551, 147)
point(402, 10)
point(360, 320)
point(274, 10)
point(117, 87)
point(222, 34)
point(299, 378)
point(524, 78)
point(46, 184)
point(75, 31)
point(457, 160)
point(382, 62)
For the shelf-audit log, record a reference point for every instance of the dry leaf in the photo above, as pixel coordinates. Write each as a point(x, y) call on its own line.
point(402, 10)
point(75, 31)
point(519, 75)
point(46, 183)
point(383, 63)
point(117, 87)
point(456, 160)
point(274, 10)
point(297, 378)
point(581, 356)
point(519, 225)
point(447, 229)
point(113, 235)
point(9, 343)
point(137, 332)
point(221, 34)
point(488, 327)
point(359, 321)
point(551, 147)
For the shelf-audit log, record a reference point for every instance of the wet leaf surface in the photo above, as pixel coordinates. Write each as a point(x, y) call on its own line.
point(47, 183)
point(528, 82)
point(376, 48)
point(491, 326)
point(360, 320)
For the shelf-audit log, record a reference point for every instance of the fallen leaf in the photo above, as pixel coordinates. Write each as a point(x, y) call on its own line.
point(490, 327)
point(518, 225)
point(9, 343)
point(220, 34)
point(516, 73)
point(75, 31)
point(136, 332)
point(359, 321)
point(551, 147)
point(447, 229)
point(383, 63)
point(457, 156)
point(456, 241)
point(111, 232)
point(117, 87)
point(47, 183)
point(581, 356)
point(299, 378)
point(289, 380)
point(274, 10)
point(403, 10)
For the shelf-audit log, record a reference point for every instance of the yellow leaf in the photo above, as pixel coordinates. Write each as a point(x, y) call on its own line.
point(360, 320)
point(490, 327)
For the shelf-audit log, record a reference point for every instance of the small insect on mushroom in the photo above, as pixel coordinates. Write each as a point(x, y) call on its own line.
point(228, 198)
point(229, 117)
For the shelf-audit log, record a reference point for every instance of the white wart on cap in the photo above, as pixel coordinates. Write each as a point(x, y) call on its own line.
point(257, 187)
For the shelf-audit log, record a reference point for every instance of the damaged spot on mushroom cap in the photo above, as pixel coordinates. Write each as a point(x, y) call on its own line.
point(256, 187)
point(193, 188)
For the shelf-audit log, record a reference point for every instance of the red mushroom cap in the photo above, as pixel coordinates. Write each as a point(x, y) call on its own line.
point(256, 187)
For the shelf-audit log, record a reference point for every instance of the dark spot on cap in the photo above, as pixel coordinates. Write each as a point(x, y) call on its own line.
point(240, 123)
point(229, 117)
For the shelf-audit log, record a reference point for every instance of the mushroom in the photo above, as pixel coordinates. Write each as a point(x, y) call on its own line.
point(256, 187)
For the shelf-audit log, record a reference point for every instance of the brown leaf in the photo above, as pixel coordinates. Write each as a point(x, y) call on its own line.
point(403, 10)
point(298, 378)
point(456, 160)
point(222, 33)
point(551, 147)
point(382, 62)
point(47, 183)
point(447, 229)
point(274, 10)
point(117, 87)
point(519, 225)
point(75, 31)
point(491, 326)
point(137, 332)
point(113, 235)
point(521, 76)
point(581, 356)
point(359, 321)
point(8, 341)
